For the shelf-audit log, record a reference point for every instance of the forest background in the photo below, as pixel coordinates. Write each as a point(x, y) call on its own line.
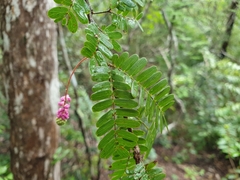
point(196, 46)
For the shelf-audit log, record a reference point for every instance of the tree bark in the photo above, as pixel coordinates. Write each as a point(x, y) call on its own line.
point(229, 27)
point(31, 86)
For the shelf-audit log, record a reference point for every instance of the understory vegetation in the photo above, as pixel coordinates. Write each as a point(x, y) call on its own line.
point(148, 64)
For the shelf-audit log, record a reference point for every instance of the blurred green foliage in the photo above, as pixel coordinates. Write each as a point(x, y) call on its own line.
point(207, 85)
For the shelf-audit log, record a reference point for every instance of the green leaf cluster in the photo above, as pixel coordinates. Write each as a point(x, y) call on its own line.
point(99, 43)
point(69, 13)
point(131, 97)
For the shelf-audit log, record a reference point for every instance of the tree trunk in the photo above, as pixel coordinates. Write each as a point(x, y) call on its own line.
point(229, 28)
point(31, 86)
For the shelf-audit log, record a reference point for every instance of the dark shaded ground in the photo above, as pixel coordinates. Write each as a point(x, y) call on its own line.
point(203, 166)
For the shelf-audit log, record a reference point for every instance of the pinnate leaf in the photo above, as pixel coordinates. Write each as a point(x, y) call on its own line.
point(127, 123)
point(72, 23)
point(57, 12)
point(105, 127)
point(102, 105)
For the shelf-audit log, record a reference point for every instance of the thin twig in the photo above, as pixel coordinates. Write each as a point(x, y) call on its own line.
point(98, 168)
point(69, 80)
point(90, 19)
point(102, 12)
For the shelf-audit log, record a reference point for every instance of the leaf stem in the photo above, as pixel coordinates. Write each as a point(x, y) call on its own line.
point(69, 80)
point(102, 12)
point(90, 19)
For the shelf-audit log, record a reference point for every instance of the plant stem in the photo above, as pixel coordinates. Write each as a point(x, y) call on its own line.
point(69, 80)
point(102, 12)
point(90, 19)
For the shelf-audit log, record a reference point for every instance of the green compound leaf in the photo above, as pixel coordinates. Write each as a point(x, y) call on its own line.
point(127, 143)
point(121, 59)
point(64, 21)
point(155, 174)
point(114, 35)
point(120, 153)
point(141, 141)
point(106, 117)
point(121, 164)
point(99, 77)
point(137, 67)
point(108, 137)
point(92, 39)
point(127, 135)
point(127, 112)
point(100, 59)
point(125, 103)
point(64, 2)
point(123, 94)
point(57, 12)
point(153, 79)
point(146, 74)
point(105, 41)
point(72, 23)
point(140, 2)
point(116, 46)
point(127, 123)
point(102, 105)
point(110, 28)
point(150, 165)
point(140, 15)
point(123, 24)
point(166, 100)
point(116, 175)
point(139, 132)
point(80, 12)
point(114, 4)
point(84, 5)
point(100, 95)
point(143, 148)
point(86, 52)
point(105, 128)
point(93, 28)
point(101, 85)
point(158, 87)
point(90, 46)
point(117, 76)
point(108, 150)
point(129, 62)
point(129, 3)
point(162, 93)
point(168, 105)
point(105, 51)
point(121, 86)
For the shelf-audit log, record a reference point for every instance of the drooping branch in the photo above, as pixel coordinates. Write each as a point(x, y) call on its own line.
point(229, 27)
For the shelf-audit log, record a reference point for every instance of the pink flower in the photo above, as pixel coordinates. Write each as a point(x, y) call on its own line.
point(67, 97)
point(63, 111)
